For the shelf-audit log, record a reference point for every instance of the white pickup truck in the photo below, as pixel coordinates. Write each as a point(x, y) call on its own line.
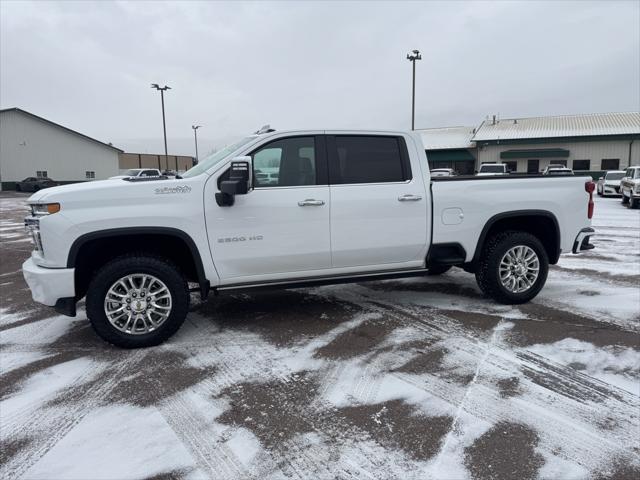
point(342, 206)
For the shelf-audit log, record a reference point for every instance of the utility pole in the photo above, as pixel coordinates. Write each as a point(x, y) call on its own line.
point(195, 136)
point(412, 57)
point(164, 125)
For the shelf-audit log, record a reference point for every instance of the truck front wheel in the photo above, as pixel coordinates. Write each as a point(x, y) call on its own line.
point(513, 268)
point(137, 301)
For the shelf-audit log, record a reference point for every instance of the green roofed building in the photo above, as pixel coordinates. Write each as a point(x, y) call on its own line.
point(588, 144)
point(450, 147)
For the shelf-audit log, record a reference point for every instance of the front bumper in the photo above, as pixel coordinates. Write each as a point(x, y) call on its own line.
point(581, 242)
point(48, 285)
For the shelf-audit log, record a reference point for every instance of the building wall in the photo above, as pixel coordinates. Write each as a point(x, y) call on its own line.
point(594, 151)
point(28, 145)
point(145, 160)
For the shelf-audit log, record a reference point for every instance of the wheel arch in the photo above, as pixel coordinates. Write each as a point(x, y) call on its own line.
point(91, 250)
point(541, 223)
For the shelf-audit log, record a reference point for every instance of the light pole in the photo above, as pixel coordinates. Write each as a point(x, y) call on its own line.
point(195, 136)
point(412, 57)
point(164, 125)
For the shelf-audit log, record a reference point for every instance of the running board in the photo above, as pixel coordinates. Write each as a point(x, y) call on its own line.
point(317, 281)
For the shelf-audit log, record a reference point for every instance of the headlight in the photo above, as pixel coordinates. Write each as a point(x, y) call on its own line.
point(40, 209)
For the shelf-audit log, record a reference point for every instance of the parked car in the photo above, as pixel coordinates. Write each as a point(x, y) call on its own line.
point(557, 170)
point(443, 172)
point(609, 183)
point(363, 211)
point(33, 184)
point(139, 172)
point(493, 169)
point(630, 187)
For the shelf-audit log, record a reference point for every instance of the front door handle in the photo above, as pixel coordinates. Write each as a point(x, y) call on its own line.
point(310, 202)
point(409, 198)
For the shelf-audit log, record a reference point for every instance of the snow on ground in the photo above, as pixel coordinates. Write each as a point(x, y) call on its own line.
point(417, 378)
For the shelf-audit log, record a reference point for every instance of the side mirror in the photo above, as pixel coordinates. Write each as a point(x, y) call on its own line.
point(239, 182)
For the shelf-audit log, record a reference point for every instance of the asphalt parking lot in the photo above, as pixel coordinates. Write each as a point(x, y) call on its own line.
point(417, 378)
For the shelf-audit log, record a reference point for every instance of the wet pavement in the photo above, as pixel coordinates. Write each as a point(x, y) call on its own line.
point(417, 378)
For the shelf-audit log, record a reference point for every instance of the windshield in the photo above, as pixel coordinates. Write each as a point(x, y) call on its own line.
point(216, 157)
point(132, 173)
point(492, 168)
point(615, 176)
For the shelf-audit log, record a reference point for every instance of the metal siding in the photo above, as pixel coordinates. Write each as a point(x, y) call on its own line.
point(594, 151)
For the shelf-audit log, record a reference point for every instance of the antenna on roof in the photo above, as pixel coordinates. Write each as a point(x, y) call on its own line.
point(265, 129)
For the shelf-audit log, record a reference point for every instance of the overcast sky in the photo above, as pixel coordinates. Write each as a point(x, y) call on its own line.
point(236, 66)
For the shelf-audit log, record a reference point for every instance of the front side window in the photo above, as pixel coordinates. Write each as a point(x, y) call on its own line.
point(149, 173)
point(369, 159)
point(287, 162)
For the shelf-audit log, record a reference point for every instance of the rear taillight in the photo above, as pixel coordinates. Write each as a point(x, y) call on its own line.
point(589, 187)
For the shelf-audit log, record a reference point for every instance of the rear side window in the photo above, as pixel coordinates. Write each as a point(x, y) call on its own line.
point(367, 159)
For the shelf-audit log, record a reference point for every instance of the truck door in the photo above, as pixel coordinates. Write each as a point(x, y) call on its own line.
point(281, 227)
point(379, 205)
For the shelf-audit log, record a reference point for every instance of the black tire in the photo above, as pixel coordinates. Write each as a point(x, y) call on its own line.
point(625, 200)
point(487, 273)
point(438, 269)
point(162, 269)
point(634, 203)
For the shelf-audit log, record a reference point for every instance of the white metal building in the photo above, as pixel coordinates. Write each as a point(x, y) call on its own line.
point(451, 147)
point(589, 143)
point(31, 146)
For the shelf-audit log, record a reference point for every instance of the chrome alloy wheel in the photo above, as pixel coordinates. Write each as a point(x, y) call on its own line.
point(519, 269)
point(137, 304)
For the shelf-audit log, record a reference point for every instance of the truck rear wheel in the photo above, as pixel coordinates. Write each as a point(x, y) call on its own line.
point(513, 268)
point(625, 200)
point(137, 301)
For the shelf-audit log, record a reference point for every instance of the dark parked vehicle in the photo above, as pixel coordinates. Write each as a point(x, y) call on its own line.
point(33, 184)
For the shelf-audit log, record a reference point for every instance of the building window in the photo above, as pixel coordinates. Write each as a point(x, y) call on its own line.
point(610, 164)
point(90, 174)
point(533, 166)
point(41, 174)
point(582, 164)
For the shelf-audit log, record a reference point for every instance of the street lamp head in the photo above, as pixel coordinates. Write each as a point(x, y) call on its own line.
point(414, 56)
point(158, 87)
point(155, 85)
point(195, 127)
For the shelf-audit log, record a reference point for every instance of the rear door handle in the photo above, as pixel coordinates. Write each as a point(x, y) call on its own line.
point(409, 198)
point(310, 202)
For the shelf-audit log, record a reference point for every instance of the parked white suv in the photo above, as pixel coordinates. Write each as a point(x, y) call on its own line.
point(344, 206)
point(630, 187)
